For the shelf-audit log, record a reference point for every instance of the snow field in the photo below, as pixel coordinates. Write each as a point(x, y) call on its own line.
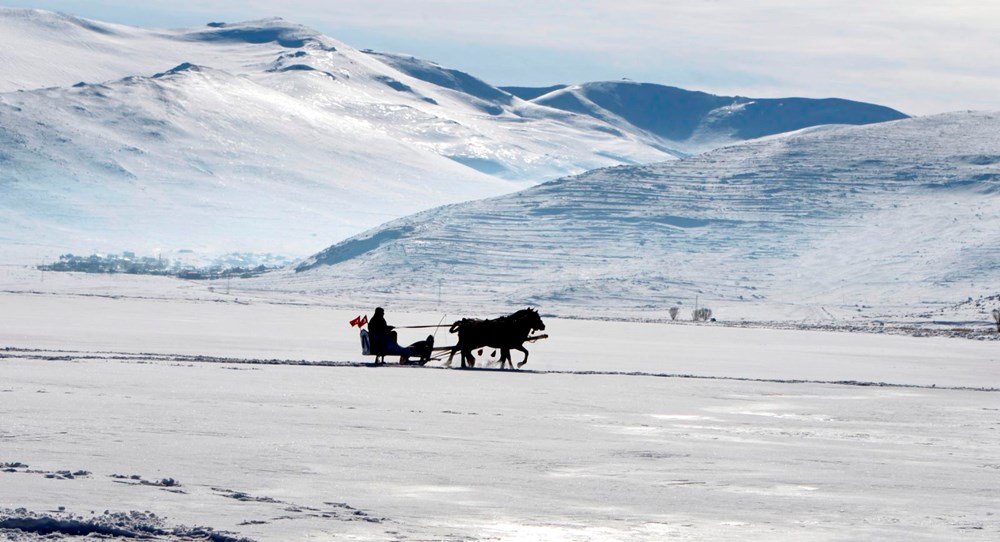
point(568, 451)
point(469, 455)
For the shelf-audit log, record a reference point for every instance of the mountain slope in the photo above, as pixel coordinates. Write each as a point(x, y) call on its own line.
point(196, 158)
point(493, 99)
point(696, 121)
point(884, 219)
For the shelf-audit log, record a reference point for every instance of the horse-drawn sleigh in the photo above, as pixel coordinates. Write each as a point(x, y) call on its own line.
point(504, 333)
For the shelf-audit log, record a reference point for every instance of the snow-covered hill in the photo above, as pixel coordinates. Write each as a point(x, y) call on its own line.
point(199, 158)
point(887, 219)
point(696, 121)
point(258, 136)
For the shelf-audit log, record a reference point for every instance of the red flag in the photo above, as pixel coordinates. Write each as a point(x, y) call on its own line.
point(363, 321)
point(356, 322)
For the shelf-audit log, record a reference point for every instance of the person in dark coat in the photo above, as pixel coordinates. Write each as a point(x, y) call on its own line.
point(382, 333)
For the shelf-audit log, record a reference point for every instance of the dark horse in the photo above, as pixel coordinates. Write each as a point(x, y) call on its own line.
point(506, 333)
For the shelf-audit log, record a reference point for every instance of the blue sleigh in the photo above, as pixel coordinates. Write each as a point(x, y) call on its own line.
point(381, 346)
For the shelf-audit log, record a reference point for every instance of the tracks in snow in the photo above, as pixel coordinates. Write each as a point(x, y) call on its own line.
point(148, 357)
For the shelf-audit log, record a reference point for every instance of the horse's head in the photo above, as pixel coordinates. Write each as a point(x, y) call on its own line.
point(458, 325)
point(532, 318)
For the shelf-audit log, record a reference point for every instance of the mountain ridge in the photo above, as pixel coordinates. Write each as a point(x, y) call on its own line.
point(693, 117)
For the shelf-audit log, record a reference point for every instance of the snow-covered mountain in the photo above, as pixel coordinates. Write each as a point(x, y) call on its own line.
point(882, 219)
point(696, 121)
point(257, 136)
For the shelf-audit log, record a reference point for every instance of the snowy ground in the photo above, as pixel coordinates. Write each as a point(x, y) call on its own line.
point(258, 420)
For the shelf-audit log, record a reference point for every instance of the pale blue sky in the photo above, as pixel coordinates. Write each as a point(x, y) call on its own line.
point(918, 56)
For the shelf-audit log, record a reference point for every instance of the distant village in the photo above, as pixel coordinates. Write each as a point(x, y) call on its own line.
point(242, 265)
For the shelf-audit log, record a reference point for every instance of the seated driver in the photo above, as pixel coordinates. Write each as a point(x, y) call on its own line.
point(382, 333)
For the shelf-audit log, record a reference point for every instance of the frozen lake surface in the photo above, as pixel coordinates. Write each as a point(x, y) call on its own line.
point(619, 431)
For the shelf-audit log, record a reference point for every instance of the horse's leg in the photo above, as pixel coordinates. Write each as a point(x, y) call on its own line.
point(466, 355)
point(505, 358)
point(523, 361)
